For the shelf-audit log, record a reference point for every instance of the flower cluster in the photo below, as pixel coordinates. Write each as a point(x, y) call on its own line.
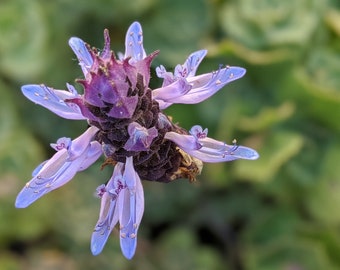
point(128, 126)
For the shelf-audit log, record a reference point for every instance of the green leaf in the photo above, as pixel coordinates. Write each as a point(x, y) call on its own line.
point(180, 33)
point(23, 38)
point(286, 253)
point(323, 199)
point(266, 118)
point(270, 23)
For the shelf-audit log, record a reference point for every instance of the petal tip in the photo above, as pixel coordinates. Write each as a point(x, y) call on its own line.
point(128, 247)
point(20, 204)
point(95, 249)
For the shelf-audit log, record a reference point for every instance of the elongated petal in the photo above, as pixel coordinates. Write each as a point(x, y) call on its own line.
point(82, 143)
point(223, 75)
point(53, 100)
point(204, 86)
point(211, 150)
point(59, 170)
point(109, 214)
point(84, 57)
point(131, 208)
point(107, 220)
point(94, 152)
point(53, 175)
point(134, 43)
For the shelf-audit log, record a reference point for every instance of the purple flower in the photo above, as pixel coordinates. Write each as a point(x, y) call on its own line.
point(129, 128)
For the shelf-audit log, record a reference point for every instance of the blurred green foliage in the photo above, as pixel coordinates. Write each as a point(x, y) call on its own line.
point(279, 212)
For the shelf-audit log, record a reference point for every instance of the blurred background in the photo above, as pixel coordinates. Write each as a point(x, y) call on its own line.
point(279, 212)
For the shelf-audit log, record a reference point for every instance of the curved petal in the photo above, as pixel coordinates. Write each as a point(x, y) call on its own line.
point(55, 173)
point(131, 208)
point(108, 218)
point(221, 76)
point(59, 170)
point(206, 85)
point(109, 215)
point(81, 144)
point(94, 152)
point(134, 43)
point(53, 100)
point(189, 68)
point(165, 95)
point(85, 59)
point(211, 150)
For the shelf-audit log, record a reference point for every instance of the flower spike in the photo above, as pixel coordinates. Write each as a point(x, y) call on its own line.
point(127, 125)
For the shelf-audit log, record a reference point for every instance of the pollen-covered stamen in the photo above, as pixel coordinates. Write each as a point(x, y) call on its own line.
point(233, 149)
point(62, 143)
point(140, 137)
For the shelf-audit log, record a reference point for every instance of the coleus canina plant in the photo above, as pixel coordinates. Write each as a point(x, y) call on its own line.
point(127, 125)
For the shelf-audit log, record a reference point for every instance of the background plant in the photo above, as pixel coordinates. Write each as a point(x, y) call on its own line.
point(279, 212)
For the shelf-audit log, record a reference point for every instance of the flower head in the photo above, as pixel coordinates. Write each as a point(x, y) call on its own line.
point(129, 128)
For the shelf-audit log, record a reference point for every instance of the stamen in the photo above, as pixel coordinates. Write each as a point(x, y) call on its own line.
point(232, 150)
point(235, 146)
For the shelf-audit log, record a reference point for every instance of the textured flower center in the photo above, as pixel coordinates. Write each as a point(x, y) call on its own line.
point(118, 101)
